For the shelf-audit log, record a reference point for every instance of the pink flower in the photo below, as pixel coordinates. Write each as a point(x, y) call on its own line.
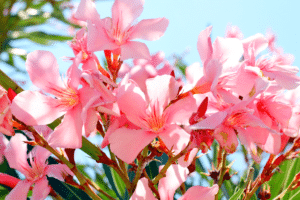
point(277, 67)
point(35, 108)
point(144, 69)
point(151, 113)
point(217, 58)
point(90, 62)
point(167, 186)
point(233, 32)
point(6, 126)
point(36, 173)
point(117, 32)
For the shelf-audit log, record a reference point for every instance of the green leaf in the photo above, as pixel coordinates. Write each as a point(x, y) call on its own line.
point(32, 21)
point(103, 185)
point(152, 169)
point(287, 172)
point(238, 194)
point(4, 168)
point(200, 169)
point(180, 64)
point(67, 191)
point(116, 182)
point(41, 37)
point(3, 192)
point(90, 149)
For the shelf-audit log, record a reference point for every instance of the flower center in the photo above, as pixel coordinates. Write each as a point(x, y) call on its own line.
point(68, 97)
point(156, 120)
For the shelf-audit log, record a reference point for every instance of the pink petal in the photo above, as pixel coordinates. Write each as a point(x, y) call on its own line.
point(227, 138)
point(175, 138)
point(20, 191)
point(212, 71)
point(142, 191)
point(90, 121)
point(34, 108)
point(69, 133)
point(134, 50)
point(74, 74)
point(162, 89)
point(211, 122)
point(180, 111)
point(3, 144)
point(41, 189)
point(273, 144)
point(40, 154)
point(127, 143)
point(228, 50)
point(185, 163)
point(58, 171)
point(200, 193)
point(87, 11)
point(286, 80)
point(132, 103)
point(111, 129)
point(16, 153)
point(258, 41)
point(150, 29)
point(97, 39)
point(140, 73)
point(175, 176)
point(193, 73)
point(43, 70)
point(204, 45)
point(124, 12)
point(293, 129)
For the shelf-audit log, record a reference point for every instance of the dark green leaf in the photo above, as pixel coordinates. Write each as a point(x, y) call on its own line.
point(67, 191)
point(152, 169)
point(116, 182)
point(101, 183)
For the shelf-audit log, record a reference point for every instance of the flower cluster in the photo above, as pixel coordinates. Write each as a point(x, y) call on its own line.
point(239, 96)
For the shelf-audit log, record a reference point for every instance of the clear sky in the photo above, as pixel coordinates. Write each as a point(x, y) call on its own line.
point(189, 17)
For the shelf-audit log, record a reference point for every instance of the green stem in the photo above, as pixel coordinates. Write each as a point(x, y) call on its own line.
point(43, 143)
point(168, 164)
point(222, 171)
point(140, 169)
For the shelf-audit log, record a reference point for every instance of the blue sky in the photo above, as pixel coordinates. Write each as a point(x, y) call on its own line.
point(189, 17)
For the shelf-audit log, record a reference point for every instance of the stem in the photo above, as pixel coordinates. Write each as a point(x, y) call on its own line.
point(222, 170)
point(94, 185)
point(151, 185)
point(268, 170)
point(168, 164)
point(140, 168)
point(281, 195)
point(182, 188)
point(43, 143)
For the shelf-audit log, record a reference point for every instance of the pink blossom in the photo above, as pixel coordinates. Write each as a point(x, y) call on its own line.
point(90, 62)
point(117, 32)
point(217, 58)
point(36, 173)
point(35, 108)
point(144, 69)
point(167, 186)
point(277, 67)
point(6, 126)
point(233, 32)
point(151, 113)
